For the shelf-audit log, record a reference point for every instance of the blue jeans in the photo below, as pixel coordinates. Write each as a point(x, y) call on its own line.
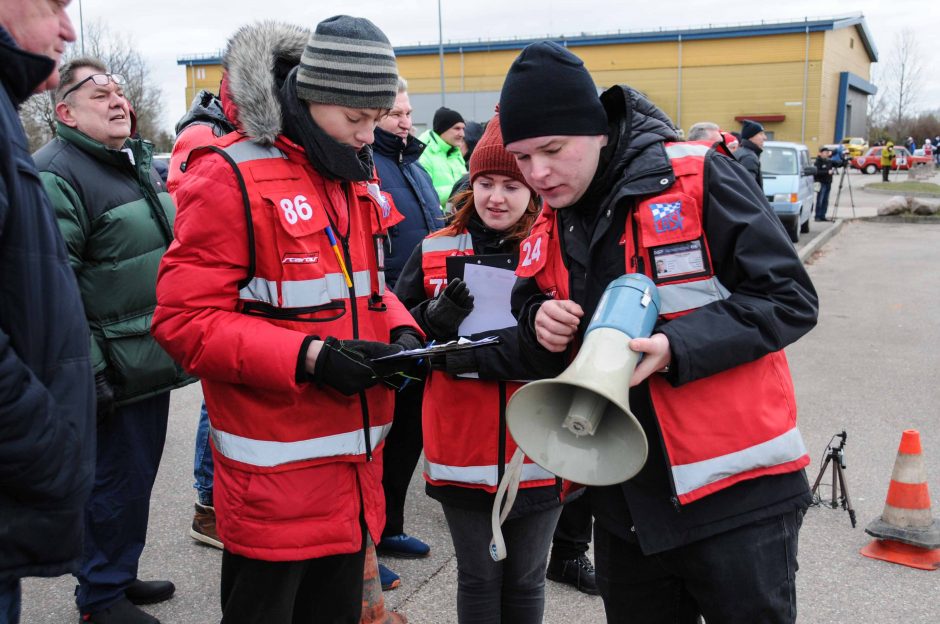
point(822, 200)
point(742, 576)
point(10, 601)
point(203, 467)
point(130, 445)
point(511, 591)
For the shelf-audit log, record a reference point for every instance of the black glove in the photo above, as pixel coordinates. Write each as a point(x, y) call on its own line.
point(445, 312)
point(455, 362)
point(396, 373)
point(104, 394)
point(345, 365)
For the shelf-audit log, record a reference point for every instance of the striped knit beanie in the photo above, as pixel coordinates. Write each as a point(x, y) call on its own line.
point(348, 61)
point(490, 157)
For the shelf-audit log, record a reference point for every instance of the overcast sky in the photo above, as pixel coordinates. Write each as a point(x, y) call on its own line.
point(167, 29)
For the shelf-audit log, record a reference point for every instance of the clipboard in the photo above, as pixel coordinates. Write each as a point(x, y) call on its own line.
point(447, 347)
point(456, 264)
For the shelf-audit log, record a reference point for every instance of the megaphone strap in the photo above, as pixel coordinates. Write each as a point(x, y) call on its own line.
point(508, 487)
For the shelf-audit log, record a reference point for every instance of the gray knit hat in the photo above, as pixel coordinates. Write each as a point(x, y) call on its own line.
point(348, 61)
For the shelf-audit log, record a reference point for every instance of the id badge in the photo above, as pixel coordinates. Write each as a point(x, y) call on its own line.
point(679, 260)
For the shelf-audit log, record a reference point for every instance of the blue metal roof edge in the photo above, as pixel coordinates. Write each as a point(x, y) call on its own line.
point(199, 60)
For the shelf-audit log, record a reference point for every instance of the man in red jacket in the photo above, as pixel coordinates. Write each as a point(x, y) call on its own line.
point(273, 295)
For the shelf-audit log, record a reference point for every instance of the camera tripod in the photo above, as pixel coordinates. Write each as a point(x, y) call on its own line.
point(835, 455)
point(842, 180)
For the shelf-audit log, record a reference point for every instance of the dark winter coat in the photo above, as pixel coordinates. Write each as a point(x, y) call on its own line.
point(824, 168)
point(117, 221)
point(748, 154)
point(772, 304)
point(414, 195)
point(47, 400)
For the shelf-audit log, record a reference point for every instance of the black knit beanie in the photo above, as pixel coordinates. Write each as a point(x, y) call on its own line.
point(348, 61)
point(445, 119)
point(549, 92)
point(750, 129)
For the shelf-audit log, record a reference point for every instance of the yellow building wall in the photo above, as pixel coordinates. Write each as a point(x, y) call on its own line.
point(199, 77)
point(721, 78)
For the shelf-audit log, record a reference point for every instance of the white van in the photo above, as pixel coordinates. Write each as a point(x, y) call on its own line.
point(788, 184)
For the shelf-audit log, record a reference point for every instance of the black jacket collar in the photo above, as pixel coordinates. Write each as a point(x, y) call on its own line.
point(391, 146)
point(21, 72)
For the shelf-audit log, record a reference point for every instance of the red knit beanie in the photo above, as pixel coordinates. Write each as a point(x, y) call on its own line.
point(490, 156)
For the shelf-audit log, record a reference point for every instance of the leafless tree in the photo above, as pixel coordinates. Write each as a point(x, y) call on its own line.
point(119, 55)
point(899, 82)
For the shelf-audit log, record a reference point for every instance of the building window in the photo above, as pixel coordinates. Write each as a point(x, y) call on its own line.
point(852, 43)
point(201, 73)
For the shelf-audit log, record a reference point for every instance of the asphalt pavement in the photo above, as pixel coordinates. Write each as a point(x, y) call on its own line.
point(869, 368)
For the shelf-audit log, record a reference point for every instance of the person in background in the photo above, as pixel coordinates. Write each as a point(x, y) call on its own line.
point(824, 171)
point(621, 193)
point(704, 131)
point(117, 220)
point(47, 410)
point(466, 442)
point(472, 132)
point(396, 153)
point(283, 332)
point(731, 141)
point(887, 157)
point(443, 158)
point(752, 144)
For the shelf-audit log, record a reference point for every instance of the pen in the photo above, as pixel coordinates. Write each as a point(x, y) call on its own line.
point(339, 255)
point(418, 363)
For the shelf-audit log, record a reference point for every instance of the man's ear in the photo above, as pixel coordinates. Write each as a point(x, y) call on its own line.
point(64, 114)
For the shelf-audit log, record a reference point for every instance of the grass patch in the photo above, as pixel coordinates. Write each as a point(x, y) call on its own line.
point(906, 187)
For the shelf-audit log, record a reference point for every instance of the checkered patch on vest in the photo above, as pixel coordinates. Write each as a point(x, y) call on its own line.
point(667, 217)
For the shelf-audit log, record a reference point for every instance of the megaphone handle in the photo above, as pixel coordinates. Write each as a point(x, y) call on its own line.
point(508, 487)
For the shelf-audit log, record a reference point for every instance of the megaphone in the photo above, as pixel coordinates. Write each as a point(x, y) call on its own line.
point(579, 425)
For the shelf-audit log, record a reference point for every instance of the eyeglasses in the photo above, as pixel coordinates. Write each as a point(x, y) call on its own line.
point(101, 80)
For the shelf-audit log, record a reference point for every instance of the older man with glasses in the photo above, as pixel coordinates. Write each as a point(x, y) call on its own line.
point(117, 221)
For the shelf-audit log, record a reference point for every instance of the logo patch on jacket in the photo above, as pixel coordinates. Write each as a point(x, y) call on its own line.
point(667, 217)
point(307, 257)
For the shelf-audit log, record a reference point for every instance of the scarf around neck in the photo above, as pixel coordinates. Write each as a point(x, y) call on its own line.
point(327, 155)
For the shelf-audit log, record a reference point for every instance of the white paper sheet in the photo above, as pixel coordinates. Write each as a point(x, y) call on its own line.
point(491, 288)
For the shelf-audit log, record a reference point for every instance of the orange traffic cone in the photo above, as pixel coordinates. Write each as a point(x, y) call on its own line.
point(907, 532)
point(373, 602)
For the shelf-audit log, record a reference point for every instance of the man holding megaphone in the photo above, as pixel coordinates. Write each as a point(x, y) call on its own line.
point(692, 455)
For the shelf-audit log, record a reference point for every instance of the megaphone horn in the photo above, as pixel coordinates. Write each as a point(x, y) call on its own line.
point(579, 425)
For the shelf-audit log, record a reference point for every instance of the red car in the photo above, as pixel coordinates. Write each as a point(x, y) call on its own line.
point(871, 161)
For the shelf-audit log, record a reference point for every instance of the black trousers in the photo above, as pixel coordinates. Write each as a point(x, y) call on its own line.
point(327, 590)
point(573, 531)
point(402, 450)
point(742, 576)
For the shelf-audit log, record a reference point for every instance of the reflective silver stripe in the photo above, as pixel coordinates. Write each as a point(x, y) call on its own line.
point(246, 150)
point(680, 150)
point(447, 243)
point(267, 453)
point(306, 293)
point(690, 295)
point(481, 475)
point(780, 450)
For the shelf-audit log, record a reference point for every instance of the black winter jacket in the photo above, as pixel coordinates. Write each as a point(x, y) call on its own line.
point(206, 109)
point(47, 400)
point(414, 195)
point(748, 154)
point(495, 363)
point(772, 304)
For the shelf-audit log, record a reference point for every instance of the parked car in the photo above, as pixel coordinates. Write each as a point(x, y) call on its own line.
point(788, 184)
point(903, 160)
point(855, 146)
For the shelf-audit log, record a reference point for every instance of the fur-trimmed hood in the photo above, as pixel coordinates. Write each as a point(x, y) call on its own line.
point(256, 58)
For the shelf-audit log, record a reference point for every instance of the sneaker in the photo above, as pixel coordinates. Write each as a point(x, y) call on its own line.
point(389, 579)
point(121, 612)
point(203, 529)
point(402, 546)
point(579, 573)
point(149, 592)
